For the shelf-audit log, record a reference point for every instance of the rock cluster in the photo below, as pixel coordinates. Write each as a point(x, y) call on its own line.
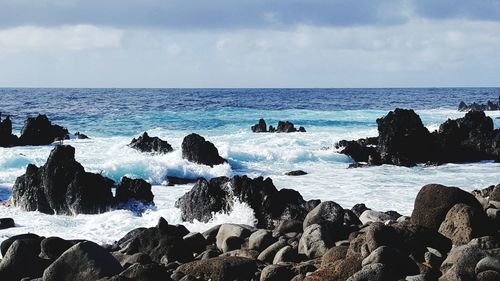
point(36, 131)
point(403, 140)
point(490, 105)
point(450, 236)
point(283, 127)
point(62, 186)
point(145, 143)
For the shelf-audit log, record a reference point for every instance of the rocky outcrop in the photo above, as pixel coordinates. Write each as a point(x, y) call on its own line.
point(296, 173)
point(490, 105)
point(283, 127)
point(62, 186)
point(218, 195)
point(7, 139)
point(40, 131)
point(198, 150)
point(404, 141)
point(36, 131)
point(145, 143)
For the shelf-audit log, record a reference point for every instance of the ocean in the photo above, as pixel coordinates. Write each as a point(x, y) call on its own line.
point(112, 117)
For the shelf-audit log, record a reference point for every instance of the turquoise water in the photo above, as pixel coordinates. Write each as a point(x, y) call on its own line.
point(112, 117)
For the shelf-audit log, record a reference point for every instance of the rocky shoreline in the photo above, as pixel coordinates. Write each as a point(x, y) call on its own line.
point(451, 234)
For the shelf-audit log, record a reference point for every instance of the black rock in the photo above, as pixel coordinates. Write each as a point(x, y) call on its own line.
point(163, 241)
point(29, 238)
point(287, 127)
point(136, 189)
point(198, 150)
point(172, 180)
point(53, 247)
point(83, 261)
point(7, 139)
point(21, 261)
point(260, 127)
point(269, 205)
point(296, 173)
point(404, 141)
point(490, 105)
point(7, 223)
point(81, 136)
point(145, 143)
point(40, 131)
point(62, 186)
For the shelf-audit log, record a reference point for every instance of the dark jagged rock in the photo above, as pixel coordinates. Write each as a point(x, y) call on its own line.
point(260, 127)
point(62, 186)
point(136, 189)
point(40, 131)
point(283, 127)
point(296, 173)
point(434, 201)
point(489, 106)
point(198, 150)
point(404, 141)
point(7, 223)
point(81, 136)
point(172, 180)
point(7, 139)
point(145, 143)
point(84, 261)
point(260, 194)
point(163, 241)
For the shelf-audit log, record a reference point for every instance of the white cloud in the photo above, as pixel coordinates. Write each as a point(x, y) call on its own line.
point(74, 37)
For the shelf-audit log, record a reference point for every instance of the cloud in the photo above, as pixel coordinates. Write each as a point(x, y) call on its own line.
point(55, 39)
point(202, 14)
point(420, 52)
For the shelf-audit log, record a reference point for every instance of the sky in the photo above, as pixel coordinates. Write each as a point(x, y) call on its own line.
point(249, 43)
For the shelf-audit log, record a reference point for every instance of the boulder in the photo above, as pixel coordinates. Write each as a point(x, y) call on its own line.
point(29, 238)
point(288, 226)
point(128, 260)
point(145, 272)
point(260, 127)
point(145, 143)
point(378, 235)
point(163, 241)
point(488, 263)
point(81, 136)
point(198, 150)
point(461, 263)
point(269, 253)
point(401, 264)
point(7, 223)
point(374, 272)
point(334, 254)
point(463, 223)
point(21, 260)
point(358, 209)
point(374, 216)
point(83, 261)
point(62, 186)
point(433, 202)
point(276, 272)
point(260, 239)
point(285, 254)
point(231, 230)
point(495, 194)
point(232, 243)
point(221, 268)
point(315, 241)
point(134, 189)
point(40, 131)
point(196, 242)
point(53, 247)
point(327, 213)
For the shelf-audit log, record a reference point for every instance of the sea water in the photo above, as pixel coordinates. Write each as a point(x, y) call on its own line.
point(112, 117)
